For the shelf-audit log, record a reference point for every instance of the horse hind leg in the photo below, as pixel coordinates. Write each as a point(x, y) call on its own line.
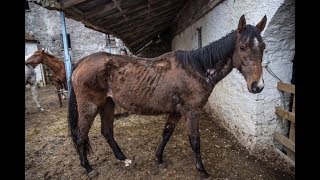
point(86, 115)
point(62, 91)
point(107, 119)
point(34, 93)
point(168, 129)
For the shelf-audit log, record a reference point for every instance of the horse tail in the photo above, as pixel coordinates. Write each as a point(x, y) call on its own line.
point(73, 116)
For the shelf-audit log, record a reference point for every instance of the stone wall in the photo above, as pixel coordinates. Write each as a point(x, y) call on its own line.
point(45, 25)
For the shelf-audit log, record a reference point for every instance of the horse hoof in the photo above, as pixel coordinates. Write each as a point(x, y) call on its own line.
point(93, 174)
point(128, 162)
point(162, 165)
point(205, 176)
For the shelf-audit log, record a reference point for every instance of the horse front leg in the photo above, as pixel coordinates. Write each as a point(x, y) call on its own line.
point(34, 93)
point(194, 139)
point(57, 85)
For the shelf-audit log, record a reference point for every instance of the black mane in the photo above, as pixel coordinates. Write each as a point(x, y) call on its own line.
point(207, 57)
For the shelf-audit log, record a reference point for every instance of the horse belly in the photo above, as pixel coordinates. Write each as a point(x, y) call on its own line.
point(141, 94)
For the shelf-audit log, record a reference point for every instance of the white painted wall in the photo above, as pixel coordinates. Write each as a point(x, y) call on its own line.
point(30, 48)
point(250, 117)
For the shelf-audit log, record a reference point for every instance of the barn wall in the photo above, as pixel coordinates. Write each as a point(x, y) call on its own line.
point(250, 117)
point(31, 47)
point(45, 25)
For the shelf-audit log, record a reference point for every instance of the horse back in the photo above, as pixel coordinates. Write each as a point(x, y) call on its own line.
point(139, 85)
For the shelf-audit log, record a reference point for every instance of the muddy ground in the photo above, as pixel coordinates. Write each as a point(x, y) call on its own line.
point(49, 152)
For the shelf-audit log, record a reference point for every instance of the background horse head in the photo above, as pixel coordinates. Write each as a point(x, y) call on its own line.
point(56, 65)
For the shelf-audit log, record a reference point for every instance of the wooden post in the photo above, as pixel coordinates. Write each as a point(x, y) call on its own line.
point(292, 131)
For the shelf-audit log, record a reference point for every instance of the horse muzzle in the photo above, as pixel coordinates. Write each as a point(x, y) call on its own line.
point(257, 86)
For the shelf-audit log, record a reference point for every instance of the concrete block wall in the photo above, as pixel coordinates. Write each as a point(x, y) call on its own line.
point(250, 117)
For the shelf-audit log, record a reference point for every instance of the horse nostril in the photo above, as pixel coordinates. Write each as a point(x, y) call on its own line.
point(255, 88)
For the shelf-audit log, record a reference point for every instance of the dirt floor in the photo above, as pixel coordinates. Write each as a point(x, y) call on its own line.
point(49, 152)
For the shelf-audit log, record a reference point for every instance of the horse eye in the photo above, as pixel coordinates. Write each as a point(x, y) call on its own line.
point(242, 48)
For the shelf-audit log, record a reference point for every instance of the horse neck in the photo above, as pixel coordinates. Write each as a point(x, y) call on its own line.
point(54, 63)
point(212, 62)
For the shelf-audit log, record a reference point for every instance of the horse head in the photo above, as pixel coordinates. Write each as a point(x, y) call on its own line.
point(36, 58)
point(248, 53)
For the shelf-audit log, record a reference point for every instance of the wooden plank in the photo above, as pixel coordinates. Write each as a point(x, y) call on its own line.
point(132, 23)
point(117, 4)
point(69, 3)
point(116, 15)
point(286, 114)
point(285, 141)
point(285, 157)
point(137, 15)
point(189, 21)
point(146, 31)
point(148, 37)
point(100, 9)
point(154, 22)
point(290, 88)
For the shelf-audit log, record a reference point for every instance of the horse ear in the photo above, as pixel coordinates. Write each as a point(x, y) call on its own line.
point(242, 23)
point(260, 26)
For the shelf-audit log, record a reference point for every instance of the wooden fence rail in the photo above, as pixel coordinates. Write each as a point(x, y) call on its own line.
point(288, 142)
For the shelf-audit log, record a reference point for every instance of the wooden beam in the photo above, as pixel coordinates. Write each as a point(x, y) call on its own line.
point(285, 114)
point(135, 30)
point(149, 6)
point(99, 10)
point(285, 141)
point(76, 13)
point(142, 33)
point(116, 3)
point(134, 24)
point(204, 10)
point(144, 13)
point(68, 3)
point(153, 22)
point(290, 88)
point(127, 11)
point(148, 37)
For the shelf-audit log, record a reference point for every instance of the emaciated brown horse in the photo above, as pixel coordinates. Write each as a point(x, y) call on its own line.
point(176, 83)
point(57, 67)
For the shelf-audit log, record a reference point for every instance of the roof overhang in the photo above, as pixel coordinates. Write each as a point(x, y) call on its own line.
point(135, 22)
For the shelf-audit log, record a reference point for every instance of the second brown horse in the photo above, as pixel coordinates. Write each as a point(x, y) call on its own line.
point(56, 65)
